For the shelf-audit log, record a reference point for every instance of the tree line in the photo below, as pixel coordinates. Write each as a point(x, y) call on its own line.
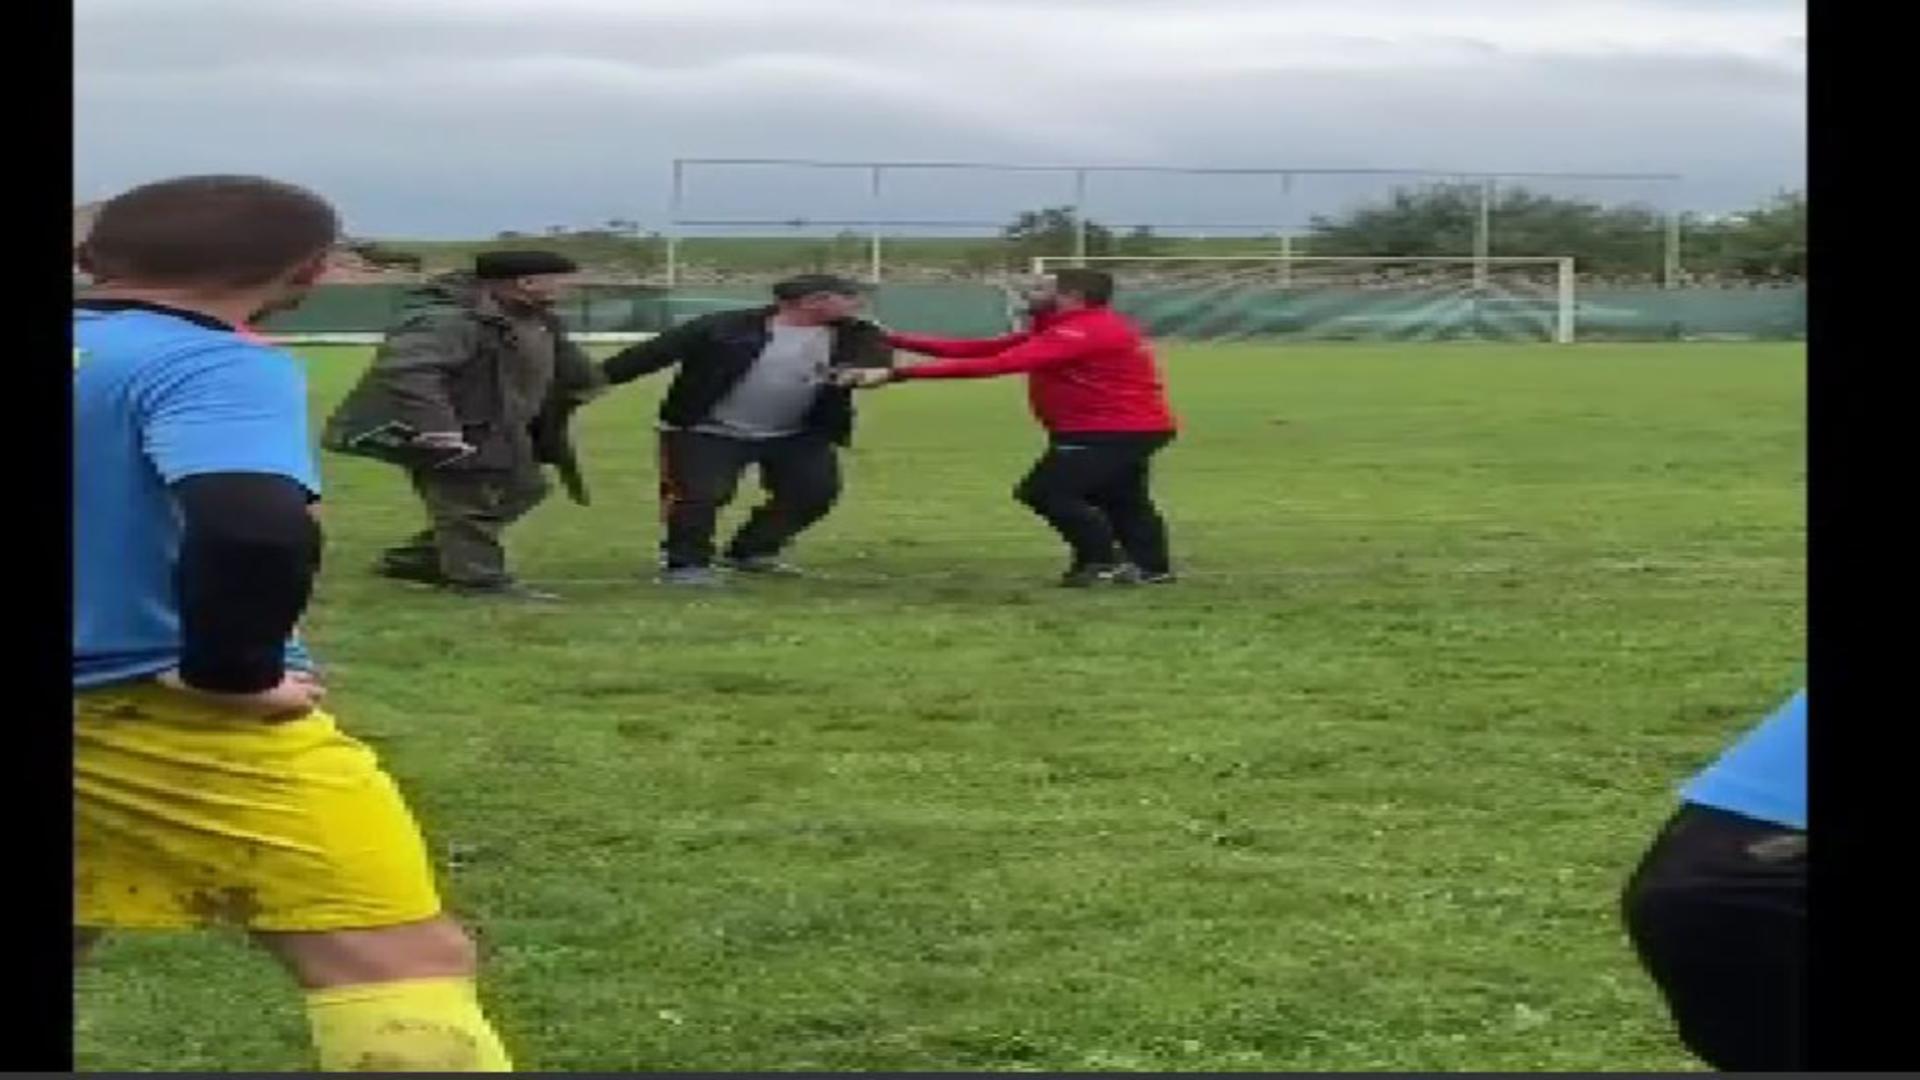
point(1767, 243)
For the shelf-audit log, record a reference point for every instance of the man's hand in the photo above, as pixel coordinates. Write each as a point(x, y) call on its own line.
point(862, 378)
point(442, 440)
point(299, 693)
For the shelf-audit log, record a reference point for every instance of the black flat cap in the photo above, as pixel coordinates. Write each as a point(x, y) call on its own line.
point(507, 265)
point(800, 285)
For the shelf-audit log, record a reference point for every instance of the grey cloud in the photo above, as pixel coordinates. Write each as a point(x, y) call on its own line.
point(436, 119)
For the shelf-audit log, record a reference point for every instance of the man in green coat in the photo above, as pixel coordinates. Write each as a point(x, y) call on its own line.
point(470, 393)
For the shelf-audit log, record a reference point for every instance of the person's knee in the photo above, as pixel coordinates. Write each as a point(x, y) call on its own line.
point(1041, 497)
point(1029, 492)
point(530, 493)
point(803, 493)
point(706, 493)
point(436, 949)
point(814, 499)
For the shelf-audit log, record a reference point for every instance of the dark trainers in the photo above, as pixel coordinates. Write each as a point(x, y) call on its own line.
point(405, 571)
point(505, 590)
point(767, 565)
point(1083, 577)
point(691, 576)
point(1133, 575)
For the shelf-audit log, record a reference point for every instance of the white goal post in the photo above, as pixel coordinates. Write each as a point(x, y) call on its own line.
point(1352, 295)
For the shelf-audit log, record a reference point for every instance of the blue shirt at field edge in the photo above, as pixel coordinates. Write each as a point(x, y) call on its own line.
point(159, 396)
point(1764, 775)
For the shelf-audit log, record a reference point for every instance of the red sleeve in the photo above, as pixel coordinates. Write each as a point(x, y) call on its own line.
point(939, 346)
point(1050, 349)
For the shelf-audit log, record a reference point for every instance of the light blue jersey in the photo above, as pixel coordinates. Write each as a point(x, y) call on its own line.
point(1764, 775)
point(159, 396)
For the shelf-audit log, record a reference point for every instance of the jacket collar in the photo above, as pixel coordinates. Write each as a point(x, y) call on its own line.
point(486, 306)
point(465, 291)
point(758, 316)
point(110, 304)
point(1055, 318)
point(461, 289)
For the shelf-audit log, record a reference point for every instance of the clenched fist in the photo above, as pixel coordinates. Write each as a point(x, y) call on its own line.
point(862, 378)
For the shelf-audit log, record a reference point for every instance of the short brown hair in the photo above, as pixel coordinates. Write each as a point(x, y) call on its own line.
point(801, 286)
point(224, 231)
point(1093, 286)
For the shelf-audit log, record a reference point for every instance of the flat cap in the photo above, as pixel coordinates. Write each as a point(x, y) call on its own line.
point(506, 265)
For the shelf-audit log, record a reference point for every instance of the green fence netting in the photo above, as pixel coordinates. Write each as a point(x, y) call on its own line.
point(1180, 313)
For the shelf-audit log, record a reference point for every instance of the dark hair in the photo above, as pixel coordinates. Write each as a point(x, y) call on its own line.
point(224, 231)
point(1094, 286)
point(801, 286)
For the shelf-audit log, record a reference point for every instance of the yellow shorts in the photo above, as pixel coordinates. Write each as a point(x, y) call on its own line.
point(185, 815)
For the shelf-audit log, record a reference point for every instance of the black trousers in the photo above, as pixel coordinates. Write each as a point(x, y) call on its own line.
point(1093, 490)
point(699, 474)
point(1718, 914)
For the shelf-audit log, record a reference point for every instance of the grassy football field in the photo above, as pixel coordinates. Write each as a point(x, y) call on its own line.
point(1359, 793)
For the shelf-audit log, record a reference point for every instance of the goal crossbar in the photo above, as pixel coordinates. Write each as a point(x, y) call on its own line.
point(1040, 262)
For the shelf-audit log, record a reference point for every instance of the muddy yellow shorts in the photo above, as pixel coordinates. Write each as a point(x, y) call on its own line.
point(186, 815)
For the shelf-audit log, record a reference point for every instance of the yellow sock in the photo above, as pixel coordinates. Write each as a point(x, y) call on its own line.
point(415, 1025)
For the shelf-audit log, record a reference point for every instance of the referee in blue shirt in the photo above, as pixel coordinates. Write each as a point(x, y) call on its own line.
point(210, 785)
point(1718, 908)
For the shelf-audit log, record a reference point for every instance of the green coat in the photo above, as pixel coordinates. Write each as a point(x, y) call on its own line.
point(444, 367)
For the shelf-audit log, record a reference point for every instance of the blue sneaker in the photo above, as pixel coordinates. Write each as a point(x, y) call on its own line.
point(1088, 575)
point(691, 576)
point(1133, 575)
point(764, 565)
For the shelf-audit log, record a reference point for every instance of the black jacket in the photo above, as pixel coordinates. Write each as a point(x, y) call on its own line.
point(442, 369)
point(716, 351)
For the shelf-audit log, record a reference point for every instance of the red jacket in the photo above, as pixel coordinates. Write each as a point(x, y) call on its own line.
point(1088, 370)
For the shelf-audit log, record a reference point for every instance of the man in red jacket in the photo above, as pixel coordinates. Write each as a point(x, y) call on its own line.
point(1094, 385)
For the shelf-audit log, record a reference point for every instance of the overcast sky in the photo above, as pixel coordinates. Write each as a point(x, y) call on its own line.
point(448, 118)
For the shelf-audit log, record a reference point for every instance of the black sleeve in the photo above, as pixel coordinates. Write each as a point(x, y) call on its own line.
point(247, 560)
point(868, 348)
point(649, 356)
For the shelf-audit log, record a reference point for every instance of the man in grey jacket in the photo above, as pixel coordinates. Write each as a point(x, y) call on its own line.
point(471, 393)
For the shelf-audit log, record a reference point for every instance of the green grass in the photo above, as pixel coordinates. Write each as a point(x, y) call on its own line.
point(1358, 794)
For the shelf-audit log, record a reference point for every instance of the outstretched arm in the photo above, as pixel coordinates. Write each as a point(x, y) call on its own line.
point(660, 351)
point(1052, 348)
point(576, 378)
point(929, 345)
